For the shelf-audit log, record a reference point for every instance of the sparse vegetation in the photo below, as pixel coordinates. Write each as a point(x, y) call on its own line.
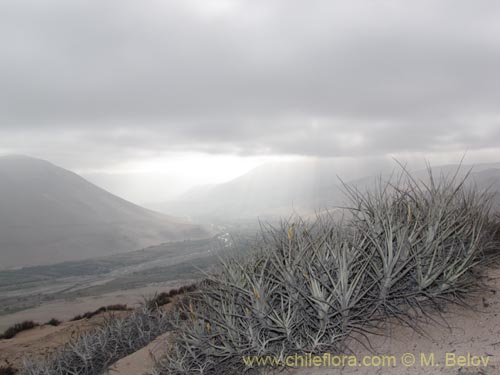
point(91, 352)
point(164, 298)
point(401, 251)
point(161, 299)
point(186, 289)
point(404, 250)
point(7, 370)
point(16, 328)
point(167, 297)
point(53, 322)
point(100, 310)
point(20, 286)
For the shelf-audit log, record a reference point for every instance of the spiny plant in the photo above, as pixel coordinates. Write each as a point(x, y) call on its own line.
point(53, 322)
point(91, 314)
point(164, 298)
point(92, 352)
point(17, 328)
point(406, 247)
point(9, 370)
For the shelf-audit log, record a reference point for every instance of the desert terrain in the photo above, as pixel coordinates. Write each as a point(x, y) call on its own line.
point(458, 330)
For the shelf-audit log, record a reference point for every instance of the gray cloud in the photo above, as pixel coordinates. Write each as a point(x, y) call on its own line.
point(325, 78)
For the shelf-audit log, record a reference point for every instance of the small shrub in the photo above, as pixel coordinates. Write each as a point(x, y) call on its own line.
point(173, 292)
point(92, 352)
point(53, 322)
point(16, 328)
point(161, 299)
point(187, 289)
point(308, 285)
point(7, 370)
point(166, 297)
point(90, 314)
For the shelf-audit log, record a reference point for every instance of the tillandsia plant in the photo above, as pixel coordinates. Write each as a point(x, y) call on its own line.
point(427, 239)
point(92, 352)
point(406, 247)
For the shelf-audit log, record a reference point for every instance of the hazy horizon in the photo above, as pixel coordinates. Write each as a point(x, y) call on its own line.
point(216, 186)
point(148, 100)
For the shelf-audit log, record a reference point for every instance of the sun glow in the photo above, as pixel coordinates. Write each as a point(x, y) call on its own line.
point(165, 177)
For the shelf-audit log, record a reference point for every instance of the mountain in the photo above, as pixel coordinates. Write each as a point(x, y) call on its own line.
point(484, 177)
point(49, 214)
point(269, 191)
point(275, 190)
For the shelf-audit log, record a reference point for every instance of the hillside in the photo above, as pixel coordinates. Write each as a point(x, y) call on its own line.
point(276, 190)
point(268, 191)
point(49, 214)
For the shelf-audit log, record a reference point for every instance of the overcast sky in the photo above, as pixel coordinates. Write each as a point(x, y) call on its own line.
point(150, 97)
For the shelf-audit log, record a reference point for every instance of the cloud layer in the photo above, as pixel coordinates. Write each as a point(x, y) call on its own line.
point(250, 77)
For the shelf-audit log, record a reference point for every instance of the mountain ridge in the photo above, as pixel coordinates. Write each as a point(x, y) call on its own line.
point(271, 191)
point(50, 214)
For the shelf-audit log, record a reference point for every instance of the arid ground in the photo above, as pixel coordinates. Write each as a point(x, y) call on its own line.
point(458, 331)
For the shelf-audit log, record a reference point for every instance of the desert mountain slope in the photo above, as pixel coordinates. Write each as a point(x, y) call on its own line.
point(276, 190)
point(49, 214)
point(268, 191)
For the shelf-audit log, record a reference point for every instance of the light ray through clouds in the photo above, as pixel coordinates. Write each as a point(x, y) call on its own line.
point(176, 93)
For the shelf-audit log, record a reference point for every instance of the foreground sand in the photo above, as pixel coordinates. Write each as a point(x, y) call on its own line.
point(42, 340)
point(67, 309)
point(141, 362)
point(39, 341)
point(459, 331)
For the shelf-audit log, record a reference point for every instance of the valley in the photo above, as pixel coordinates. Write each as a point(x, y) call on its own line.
point(27, 291)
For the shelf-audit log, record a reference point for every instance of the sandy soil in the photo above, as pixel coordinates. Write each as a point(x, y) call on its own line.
point(45, 339)
point(65, 310)
point(142, 361)
point(458, 332)
point(39, 341)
